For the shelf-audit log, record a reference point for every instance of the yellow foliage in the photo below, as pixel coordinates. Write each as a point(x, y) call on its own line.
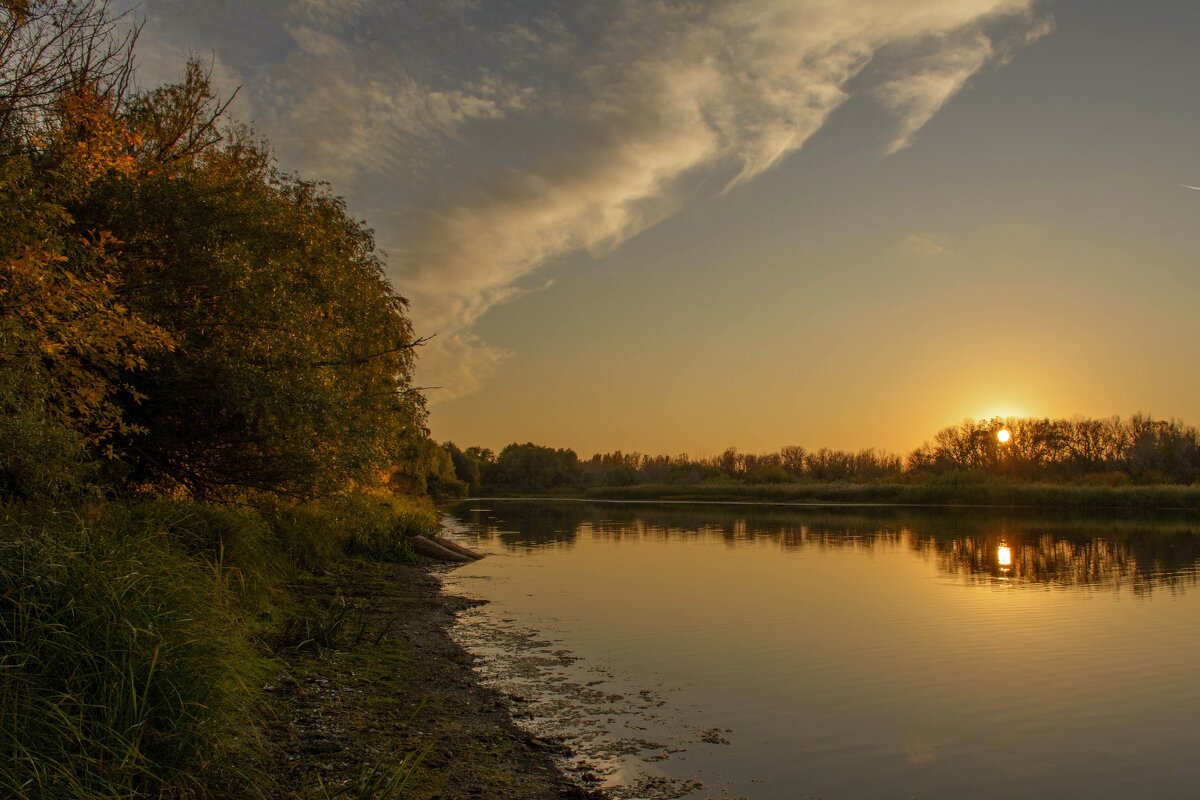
point(101, 142)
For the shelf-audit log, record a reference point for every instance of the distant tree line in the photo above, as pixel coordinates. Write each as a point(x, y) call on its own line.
point(1114, 451)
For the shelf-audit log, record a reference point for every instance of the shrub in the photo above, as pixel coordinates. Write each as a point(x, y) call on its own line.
point(235, 546)
point(318, 534)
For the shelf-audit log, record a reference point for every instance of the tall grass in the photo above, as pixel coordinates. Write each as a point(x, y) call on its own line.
point(236, 547)
point(123, 671)
point(318, 534)
point(126, 665)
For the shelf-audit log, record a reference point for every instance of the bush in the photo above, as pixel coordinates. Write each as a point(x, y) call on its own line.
point(318, 534)
point(236, 546)
point(38, 458)
point(306, 536)
point(125, 670)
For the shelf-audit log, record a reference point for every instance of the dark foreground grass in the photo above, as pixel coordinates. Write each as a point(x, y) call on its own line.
point(1146, 498)
point(129, 665)
point(124, 671)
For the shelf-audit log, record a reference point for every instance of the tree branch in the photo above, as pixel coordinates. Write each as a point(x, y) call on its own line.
point(351, 362)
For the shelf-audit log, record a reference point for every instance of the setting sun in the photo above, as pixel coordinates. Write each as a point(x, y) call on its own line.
point(1003, 436)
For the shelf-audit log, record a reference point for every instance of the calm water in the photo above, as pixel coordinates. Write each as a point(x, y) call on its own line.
point(764, 652)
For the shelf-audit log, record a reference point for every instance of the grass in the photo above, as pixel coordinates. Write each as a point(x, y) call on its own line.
point(986, 493)
point(129, 662)
point(125, 673)
point(319, 534)
point(335, 623)
point(385, 780)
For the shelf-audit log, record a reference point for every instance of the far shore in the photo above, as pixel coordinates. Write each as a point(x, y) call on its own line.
point(1159, 497)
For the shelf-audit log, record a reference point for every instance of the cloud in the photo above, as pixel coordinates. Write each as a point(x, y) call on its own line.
point(674, 90)
point(488, 140)
point(922, 246)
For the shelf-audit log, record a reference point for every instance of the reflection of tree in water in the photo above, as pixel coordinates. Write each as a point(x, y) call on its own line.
point(1071, 551)
point(525, 525)
point(1141, 561)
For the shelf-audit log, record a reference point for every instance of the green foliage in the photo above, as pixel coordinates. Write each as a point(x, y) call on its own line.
point(320, 533)
point(427, 469)
point(236, 547)
point(307, 538)
point(179, 322)
point(221, 329)
point(380, 528)
point(320, 628)
point(468, 468)
point(531, 468)
point(292, 367)
point(39, 459)
point(124, 669)
point(63, 326)
point(968, 458)
point(441, 478)
point(1146, 450)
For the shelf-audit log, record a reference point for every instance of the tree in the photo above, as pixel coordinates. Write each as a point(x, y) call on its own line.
point(64, 329)
point(468, 467)
point(294, 355)
point(51, 49)
point(529, 467)
point(212, 325)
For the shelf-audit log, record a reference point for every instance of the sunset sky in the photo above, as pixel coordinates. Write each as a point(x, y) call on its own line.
point(678, 227)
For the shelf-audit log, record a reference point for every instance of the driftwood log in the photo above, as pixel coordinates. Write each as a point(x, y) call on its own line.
point(443, 550)
point(450, 544)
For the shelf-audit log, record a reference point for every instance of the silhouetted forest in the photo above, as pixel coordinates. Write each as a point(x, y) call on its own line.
point(1110, 452)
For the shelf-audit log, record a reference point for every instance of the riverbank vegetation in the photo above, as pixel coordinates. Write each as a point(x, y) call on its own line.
point(205, 389)
point(1139, 462)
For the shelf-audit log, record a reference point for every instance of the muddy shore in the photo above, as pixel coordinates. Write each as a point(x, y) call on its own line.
point(370, 688)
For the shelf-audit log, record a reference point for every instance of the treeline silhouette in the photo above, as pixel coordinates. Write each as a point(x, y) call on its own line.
point(1139, 450)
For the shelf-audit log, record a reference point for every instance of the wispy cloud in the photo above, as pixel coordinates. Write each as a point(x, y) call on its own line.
point(922, 245)
point(670, 91)
point(593, 116)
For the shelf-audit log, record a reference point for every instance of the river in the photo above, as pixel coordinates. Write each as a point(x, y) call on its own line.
point(762, 652)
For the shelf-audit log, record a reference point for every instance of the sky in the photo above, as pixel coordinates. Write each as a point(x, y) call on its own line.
point(676, 227)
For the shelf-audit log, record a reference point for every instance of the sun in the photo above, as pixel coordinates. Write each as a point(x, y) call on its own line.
point(1003, 435)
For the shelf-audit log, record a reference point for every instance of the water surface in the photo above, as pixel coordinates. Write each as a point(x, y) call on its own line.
point(769, 652)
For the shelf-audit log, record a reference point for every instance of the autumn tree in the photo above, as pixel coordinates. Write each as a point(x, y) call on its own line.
point(68, 342)
point(212, 325)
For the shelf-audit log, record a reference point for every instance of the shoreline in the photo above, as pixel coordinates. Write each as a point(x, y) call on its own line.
point(397, 699)
point(1170, 498)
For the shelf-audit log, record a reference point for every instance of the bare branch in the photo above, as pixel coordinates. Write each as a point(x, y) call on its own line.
point(350, 362)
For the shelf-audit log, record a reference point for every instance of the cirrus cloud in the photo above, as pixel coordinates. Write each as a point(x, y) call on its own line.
point(488, 139)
